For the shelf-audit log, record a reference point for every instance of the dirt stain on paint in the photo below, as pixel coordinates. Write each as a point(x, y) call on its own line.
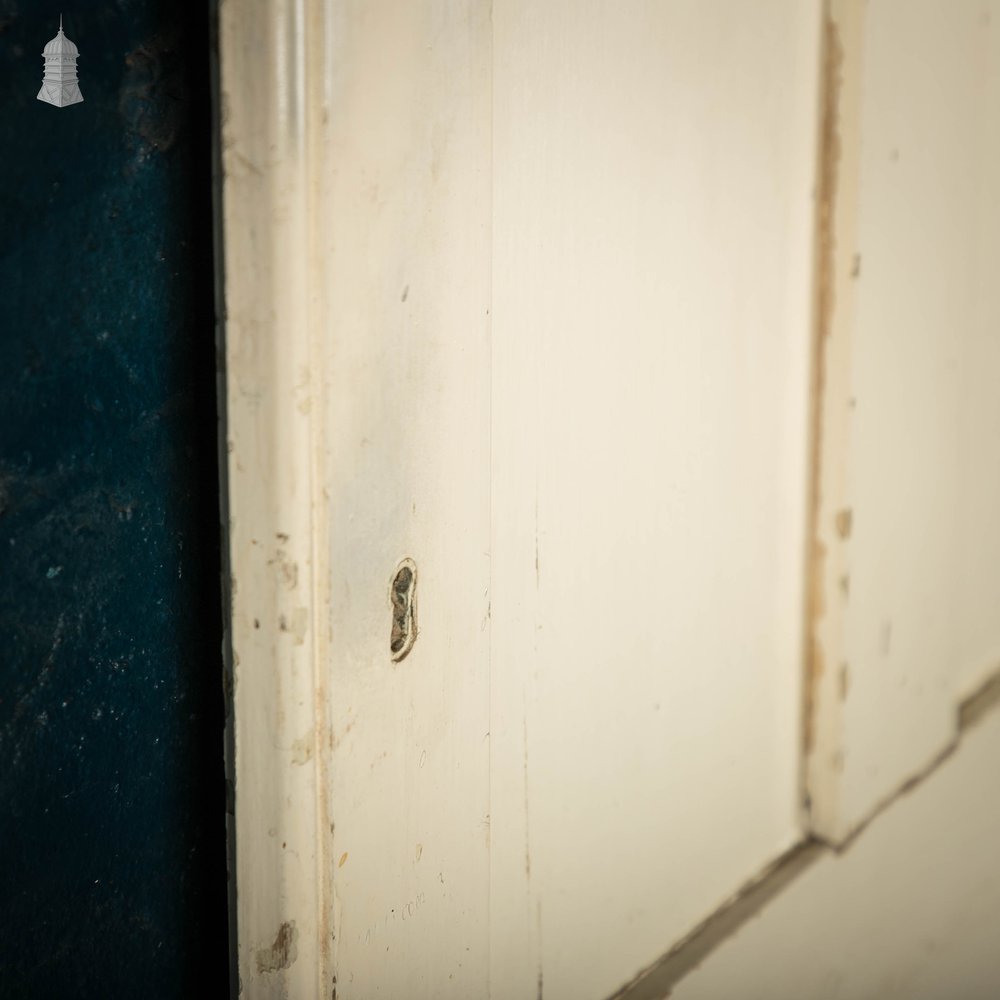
point(843, 522)
point(829, 166)
point(303, 748)
point(282, 953)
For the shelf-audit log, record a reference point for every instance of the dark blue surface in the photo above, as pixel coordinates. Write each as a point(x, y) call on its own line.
point(112, 871)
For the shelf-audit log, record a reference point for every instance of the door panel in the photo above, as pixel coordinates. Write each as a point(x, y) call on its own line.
point(521, 295)
point(652, 245)
point(909, 488)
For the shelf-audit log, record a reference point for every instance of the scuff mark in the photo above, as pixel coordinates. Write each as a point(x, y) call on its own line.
point(843, 521)
point(282, 953)
point(302, 748)
point(297, 626)
point(885, 637)
point(287, 568)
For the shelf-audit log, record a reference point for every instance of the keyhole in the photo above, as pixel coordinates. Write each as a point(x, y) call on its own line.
point(403, 594)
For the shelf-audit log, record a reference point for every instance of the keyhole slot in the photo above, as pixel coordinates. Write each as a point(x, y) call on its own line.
point(403, 596)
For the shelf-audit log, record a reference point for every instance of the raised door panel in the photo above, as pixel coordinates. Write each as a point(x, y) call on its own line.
point(652, 275)
point(905, 625)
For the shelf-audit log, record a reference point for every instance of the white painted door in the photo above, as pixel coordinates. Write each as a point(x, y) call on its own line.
point(527, 294)
point(520, 294)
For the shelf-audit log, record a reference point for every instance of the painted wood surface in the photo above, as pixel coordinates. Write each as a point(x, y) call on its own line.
point(911, 909)
point(522, 295)
point(407, 249)
point(527, 294)
point(908, 537)
point(357, 152)
point(652, 255)
point(275, 495)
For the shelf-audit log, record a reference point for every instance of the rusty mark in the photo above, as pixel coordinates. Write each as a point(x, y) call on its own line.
point(343, 860)
point(282, 953)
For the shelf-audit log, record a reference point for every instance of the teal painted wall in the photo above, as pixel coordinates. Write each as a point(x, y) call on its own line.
point(112, 792)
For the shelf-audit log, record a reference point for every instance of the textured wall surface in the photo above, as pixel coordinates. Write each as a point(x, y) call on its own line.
point(112, 800)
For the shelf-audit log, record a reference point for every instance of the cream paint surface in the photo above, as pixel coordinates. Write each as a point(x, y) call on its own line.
point(910, 483)
point(652, 261)
point(521, 294)
point(406, 225)
point(278, 588)
point(911, 909)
